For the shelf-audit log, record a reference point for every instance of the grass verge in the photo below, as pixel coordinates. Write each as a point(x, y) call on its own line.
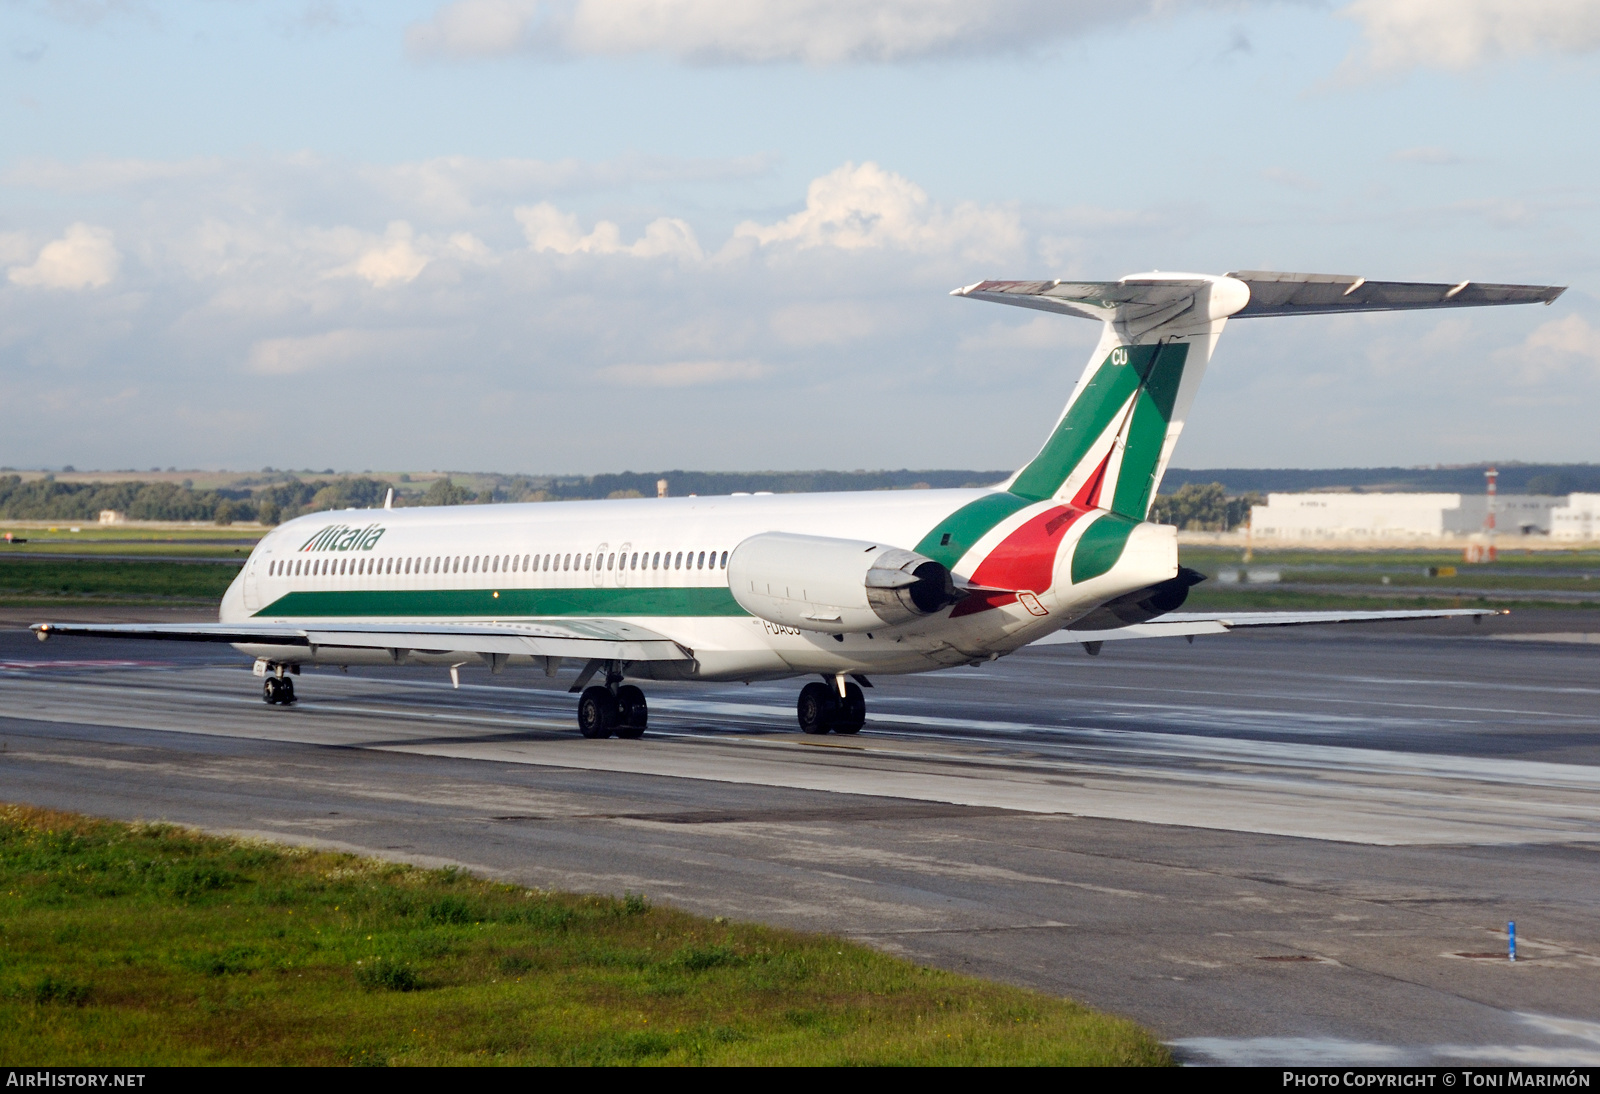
point(33, 579)
point(147, 944)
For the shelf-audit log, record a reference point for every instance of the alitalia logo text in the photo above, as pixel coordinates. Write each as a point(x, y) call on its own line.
point(342, 537)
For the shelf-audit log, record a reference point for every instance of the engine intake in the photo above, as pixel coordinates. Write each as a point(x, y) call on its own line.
point(838, 586)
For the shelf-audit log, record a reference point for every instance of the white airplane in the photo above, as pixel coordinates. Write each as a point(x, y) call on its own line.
point(835, 585)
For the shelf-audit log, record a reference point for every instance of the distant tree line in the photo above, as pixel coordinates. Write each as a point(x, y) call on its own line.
point(46, 499)
point(1204, 507)
point(274, 503)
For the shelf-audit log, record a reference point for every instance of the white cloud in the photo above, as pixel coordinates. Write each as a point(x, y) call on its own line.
point(549, 229)
point(685, 373)
point(1457, 35)
point(859, 208)
point(394, 262)
point(818, 32)
point(1555, 349)
point(826, 323)
point(1042, 332)
point(832, 308)
point(317, 352)
point(84, 258)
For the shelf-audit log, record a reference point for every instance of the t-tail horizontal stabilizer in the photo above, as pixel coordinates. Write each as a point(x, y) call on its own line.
point(1144, 296)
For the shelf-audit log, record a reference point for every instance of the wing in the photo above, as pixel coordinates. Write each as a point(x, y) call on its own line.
point(602, 639)
point(1181, 624)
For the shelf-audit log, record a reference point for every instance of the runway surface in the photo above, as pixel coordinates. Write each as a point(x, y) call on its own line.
point(1270, 847)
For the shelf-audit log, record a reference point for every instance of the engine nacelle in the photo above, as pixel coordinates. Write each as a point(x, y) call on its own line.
point(837, 586)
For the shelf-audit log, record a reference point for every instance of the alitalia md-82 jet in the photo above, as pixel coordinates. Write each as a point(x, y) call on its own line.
point(841, 586)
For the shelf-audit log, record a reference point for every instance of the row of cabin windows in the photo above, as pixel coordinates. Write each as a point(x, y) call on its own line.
point(494, 564)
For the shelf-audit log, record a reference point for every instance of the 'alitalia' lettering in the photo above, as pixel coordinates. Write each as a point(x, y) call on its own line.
point(342, 537)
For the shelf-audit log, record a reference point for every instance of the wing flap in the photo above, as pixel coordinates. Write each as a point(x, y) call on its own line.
point(596, 638)
point(1188, 624)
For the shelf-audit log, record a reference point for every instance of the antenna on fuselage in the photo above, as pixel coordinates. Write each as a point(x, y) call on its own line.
point(388, 499)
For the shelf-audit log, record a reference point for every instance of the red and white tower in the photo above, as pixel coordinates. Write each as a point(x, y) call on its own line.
point(1491, 476)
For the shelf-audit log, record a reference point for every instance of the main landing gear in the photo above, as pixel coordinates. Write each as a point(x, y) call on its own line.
point(830, 707)
point(277, 690)
point(616, 708)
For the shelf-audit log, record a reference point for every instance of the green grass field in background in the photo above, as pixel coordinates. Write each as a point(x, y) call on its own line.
point(136, 945)
point(202, 542)
point(44, 580)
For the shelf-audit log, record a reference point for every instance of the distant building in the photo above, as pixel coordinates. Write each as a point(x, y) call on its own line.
point(1578, 519)
point(113, 516)
point(1400, 516)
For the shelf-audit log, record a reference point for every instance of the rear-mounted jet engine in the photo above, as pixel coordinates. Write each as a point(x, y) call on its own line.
point(839, 586)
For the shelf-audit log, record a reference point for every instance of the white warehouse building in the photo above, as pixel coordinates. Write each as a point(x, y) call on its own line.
point(1407, 516)
point(1578, 519)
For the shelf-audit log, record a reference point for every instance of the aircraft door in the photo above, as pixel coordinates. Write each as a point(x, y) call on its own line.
point(249, 588)
point(599, 573)
point(622, 564)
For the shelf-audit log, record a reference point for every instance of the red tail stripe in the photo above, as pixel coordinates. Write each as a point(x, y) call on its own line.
point(1089, 496)
point(1025, 560)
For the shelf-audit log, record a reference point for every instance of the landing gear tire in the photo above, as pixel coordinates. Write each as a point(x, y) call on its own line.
point(277, 690)
point(632, 712)
point(817, 708)
point(852, 710)
point(597, 713)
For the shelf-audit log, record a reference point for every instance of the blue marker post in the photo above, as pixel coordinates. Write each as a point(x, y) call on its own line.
point(1511, 939)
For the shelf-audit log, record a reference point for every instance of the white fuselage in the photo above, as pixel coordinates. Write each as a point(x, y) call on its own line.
point(656, 563)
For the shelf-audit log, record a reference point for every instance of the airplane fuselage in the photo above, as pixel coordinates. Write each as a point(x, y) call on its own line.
point(662, 564)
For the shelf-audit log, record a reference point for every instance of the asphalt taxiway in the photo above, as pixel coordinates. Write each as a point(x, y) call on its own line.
point(1273, 847)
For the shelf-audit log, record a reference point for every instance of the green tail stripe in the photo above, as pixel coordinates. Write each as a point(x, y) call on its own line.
point(1100, 546)
point(1147, 432)
point(1122, 373)
point(511, 603)
point(955, 534)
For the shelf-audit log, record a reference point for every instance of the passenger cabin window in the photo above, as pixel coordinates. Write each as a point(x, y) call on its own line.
point(724, 560)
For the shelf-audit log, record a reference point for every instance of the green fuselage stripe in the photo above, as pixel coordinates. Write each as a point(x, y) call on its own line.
point(511, 603)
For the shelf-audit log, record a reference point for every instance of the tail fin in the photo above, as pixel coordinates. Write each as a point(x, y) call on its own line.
point(1111, 444)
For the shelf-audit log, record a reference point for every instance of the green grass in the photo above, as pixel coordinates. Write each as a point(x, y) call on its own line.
point(147, 945)
point(49, 581)
point(1286, 598)
point(205, 542)
point(1355, 580)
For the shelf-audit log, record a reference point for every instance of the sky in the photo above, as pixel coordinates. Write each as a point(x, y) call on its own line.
point(577, 236)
